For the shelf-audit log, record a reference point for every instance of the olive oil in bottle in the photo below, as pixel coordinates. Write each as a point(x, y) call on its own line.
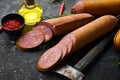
point(31, 11)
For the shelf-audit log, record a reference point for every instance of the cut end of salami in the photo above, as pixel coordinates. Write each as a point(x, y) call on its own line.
point(46, 29)
point(30, 40)
point(49, 59)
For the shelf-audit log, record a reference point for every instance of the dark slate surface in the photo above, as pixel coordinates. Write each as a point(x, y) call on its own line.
point(21, 65)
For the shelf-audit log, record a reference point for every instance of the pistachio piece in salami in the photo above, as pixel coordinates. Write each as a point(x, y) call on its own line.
point(49, 59)
point(46, 28)
point(30, 40)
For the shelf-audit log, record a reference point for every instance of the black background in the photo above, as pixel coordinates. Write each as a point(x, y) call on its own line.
point(21, 65)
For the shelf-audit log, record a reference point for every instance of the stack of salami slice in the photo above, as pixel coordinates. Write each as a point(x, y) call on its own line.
point(57, 53)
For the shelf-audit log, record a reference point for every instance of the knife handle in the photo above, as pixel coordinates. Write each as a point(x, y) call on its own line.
point(93, 53)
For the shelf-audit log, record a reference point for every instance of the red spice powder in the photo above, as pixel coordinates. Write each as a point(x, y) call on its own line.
point(12, 24)
point(0, 28)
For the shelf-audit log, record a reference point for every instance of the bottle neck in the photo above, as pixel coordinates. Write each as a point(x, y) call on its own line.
point(30, 4)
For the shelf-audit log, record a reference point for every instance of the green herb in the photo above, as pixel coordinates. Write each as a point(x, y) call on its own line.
point(51, 17)
point(118, 62)
point(53, 1)
point(66, 14)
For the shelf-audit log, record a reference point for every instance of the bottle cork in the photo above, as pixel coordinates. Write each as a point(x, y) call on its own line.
point(30, 2)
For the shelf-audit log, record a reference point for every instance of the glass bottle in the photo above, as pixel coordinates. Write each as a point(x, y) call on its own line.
point(31, 11)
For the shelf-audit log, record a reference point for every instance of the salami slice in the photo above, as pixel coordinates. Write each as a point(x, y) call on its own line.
point(49, 59)
point(68, 42)
point(72, 37)
point(30, 40)
point(46, 28)
point(63, 49)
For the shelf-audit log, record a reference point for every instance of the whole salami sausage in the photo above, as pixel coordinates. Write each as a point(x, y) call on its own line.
point(97, 7)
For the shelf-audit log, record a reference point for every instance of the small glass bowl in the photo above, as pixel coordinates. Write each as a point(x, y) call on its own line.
point(16, 17)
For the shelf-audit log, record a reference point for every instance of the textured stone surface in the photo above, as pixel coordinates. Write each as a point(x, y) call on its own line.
point(21, 65)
